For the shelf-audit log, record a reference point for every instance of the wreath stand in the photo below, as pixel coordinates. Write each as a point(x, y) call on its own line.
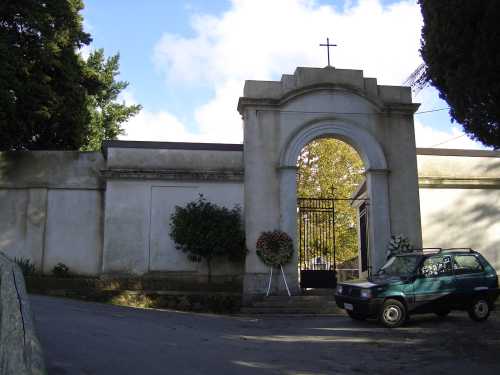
point(284, 279)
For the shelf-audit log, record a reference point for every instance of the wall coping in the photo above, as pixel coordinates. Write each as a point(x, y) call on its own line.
point(171, 146)
point(458, 152)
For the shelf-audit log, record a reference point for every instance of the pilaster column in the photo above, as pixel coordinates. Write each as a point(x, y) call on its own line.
point(288, 221)
point(379, 216)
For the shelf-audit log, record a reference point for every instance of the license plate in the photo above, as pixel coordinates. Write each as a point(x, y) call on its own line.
point(348, 306)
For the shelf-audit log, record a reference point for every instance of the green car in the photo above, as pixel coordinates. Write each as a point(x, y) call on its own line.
point(423, 282)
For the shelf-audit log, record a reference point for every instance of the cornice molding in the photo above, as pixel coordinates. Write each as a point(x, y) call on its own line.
point(174, 175)
point(459, 183)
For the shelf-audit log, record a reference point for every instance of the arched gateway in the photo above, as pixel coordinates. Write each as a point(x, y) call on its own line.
point(281, 117)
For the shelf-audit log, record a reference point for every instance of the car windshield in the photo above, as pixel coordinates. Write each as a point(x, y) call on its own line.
point(400, 265)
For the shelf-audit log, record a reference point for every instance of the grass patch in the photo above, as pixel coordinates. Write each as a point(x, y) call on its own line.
point(137, 292)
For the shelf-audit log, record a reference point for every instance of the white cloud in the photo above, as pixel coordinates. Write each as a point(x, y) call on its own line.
point(85, 51)
point(157, 126)
point(218, 120)
point(262, 39)
point(154, 126)
point(425, 136)
point(258, 39)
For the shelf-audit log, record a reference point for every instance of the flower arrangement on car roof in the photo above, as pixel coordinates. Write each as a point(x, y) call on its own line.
point(398, 244)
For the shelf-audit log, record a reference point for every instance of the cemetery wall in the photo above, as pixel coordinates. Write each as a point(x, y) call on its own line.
point(460, 200)
point(51, 208)
point(145, 181)
point(109, 212)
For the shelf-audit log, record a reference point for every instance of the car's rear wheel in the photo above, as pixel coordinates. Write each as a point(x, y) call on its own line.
point(393, 313)
point(479, 310)
point(356, 316)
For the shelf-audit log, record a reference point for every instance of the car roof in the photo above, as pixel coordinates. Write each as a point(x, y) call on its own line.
point(429, 251)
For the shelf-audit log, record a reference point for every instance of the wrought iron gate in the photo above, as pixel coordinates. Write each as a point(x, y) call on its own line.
point(316, 217)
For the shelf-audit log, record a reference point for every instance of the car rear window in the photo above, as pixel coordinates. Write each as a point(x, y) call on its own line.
point(464, 264)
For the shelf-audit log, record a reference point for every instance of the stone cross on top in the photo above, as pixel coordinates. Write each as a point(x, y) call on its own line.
point(328, 45)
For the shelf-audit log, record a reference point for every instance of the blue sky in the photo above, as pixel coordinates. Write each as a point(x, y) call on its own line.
point(113, 25)
point(186, 61)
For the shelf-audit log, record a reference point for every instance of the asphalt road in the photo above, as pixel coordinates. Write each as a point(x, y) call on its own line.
point(90, 338)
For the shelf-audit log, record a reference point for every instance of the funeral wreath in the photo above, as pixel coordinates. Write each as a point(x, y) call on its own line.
point(275, 248)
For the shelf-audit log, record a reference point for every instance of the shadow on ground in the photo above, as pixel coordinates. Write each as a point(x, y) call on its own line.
point(90, 338)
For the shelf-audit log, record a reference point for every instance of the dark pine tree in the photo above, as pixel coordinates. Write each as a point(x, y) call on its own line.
point(50, 97)
point(461, 50)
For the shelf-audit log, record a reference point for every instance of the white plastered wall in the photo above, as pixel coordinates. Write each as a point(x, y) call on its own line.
point(460, 200)
point(144, 185)
point(137, 224)
point(51, 209)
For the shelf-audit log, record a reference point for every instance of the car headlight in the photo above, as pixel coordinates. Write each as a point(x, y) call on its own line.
point(339, 289)
point(366, 293)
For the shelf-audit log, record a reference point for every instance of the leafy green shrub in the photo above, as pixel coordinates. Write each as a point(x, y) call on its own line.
point(206, 231)
point(60, 270)
point(26, 265)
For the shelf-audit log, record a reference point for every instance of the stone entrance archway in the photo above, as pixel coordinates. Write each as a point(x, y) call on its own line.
point(376, 173)
point(281, 117)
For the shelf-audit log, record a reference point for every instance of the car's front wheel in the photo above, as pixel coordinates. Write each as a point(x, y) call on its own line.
point(356, 316)
point(393, 313)
point(479, 310)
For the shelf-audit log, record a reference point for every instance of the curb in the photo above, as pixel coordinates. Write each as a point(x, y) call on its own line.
point(20, 350)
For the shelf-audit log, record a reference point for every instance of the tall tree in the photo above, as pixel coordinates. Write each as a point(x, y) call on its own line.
point(42, 83)
point(50, 98)
point(461, 50)
point(106, 113)
point(329, 163)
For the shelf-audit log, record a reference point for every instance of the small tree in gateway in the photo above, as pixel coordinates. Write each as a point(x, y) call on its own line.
point(206, 231)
